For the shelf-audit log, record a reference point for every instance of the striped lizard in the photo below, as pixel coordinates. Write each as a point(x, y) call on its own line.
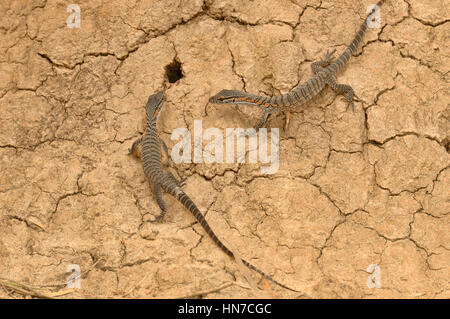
point(147, 147)
point(324, 74)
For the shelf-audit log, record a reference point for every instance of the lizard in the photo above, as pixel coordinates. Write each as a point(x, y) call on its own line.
point(147, 147)
point(324, 74)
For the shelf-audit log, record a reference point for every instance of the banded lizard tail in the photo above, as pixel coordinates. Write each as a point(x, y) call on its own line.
point(324, 74)
point(148, 147)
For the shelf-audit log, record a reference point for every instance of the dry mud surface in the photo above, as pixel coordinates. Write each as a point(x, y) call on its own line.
point(353, 188)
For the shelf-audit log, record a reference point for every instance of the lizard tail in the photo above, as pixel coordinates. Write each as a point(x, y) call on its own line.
point(189, 204)
point(337, 65)
point(262, 273)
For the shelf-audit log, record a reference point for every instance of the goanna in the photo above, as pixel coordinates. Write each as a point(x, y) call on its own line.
point(324, 74)
point(147, 147)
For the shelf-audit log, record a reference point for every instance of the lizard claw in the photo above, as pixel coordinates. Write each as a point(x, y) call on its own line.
point(351, 102)
point(329, 56)
point(351, 105)
point(158, 219)
point(182, 182)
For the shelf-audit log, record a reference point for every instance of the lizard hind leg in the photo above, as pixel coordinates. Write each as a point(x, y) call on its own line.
point(157, 191)
point(262, 120)
point(179, 183)
point(346, 89)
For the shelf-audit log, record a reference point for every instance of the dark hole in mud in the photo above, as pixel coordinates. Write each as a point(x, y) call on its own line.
point(446, 143)
point(173, 71)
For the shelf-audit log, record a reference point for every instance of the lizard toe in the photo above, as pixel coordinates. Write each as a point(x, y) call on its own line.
point(351, 105)
point(158, 220)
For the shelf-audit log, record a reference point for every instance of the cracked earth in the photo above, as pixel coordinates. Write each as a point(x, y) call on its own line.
point(353, 188)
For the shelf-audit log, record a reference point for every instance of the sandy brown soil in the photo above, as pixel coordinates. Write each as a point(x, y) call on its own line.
point(353, 188)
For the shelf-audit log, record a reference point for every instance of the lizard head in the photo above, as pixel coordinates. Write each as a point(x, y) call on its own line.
point(154, 106)
point(228, 97)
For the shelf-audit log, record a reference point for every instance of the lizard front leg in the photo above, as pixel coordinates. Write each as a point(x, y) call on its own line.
point(157, 191)
point(263, 119)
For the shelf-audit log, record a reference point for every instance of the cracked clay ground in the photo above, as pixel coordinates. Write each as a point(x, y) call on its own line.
point(353, 188)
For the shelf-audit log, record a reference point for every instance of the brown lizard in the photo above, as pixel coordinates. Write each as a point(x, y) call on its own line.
point(324, 74)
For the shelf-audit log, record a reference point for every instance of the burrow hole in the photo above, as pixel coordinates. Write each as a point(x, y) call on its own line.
point(173, 71)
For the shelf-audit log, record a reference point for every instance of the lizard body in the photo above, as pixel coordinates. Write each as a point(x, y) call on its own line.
point(324, 74)
point(148, 148)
